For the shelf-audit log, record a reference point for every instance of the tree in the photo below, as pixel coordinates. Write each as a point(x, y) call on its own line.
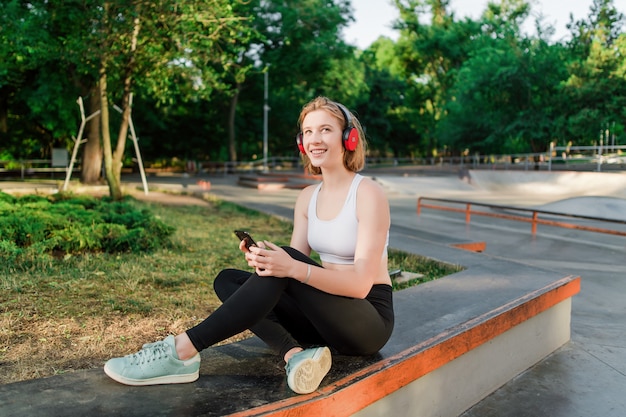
point(32, 81)
point(432, 54)
point(208, 123)
point(385, 107)
point(506, 98)
point(595, 91)
point(162, 41)
point(102, 49)
point(300, 43)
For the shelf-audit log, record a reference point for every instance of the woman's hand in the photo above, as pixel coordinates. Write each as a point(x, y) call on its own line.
point(270, 260)
point(242, 246)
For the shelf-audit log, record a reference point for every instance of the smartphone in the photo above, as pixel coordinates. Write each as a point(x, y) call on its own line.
point(246, 237)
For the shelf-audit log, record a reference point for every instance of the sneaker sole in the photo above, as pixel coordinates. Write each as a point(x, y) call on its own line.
point(310, 373)
point(169, 379)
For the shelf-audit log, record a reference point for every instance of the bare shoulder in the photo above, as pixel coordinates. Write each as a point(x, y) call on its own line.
point(371, 189)
point(372, 202)
point(305, 195)
point(306, 192)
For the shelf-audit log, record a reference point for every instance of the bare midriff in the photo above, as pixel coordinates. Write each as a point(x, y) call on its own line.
point(381, 278)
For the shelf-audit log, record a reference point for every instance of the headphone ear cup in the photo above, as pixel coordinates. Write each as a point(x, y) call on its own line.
point(350, 138)
point(299, 143)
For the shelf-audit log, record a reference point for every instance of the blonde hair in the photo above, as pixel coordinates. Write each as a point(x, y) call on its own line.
point(353, 160)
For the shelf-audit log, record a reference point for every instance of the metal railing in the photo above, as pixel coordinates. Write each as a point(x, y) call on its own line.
point(532, 218)
point(28, 167)
point(597, 155)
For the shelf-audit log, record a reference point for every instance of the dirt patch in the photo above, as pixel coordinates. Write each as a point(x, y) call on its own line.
point(41, 348)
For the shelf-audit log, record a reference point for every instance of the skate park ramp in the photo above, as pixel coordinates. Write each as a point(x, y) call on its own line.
point(594, 206)
point(551, 183)
point(594, 194)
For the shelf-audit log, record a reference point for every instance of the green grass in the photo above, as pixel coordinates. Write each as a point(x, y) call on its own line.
point(60, 313)
point(430, 269)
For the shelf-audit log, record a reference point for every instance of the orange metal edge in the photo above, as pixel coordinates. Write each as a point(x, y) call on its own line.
point(534, 220)
point(471, 246)
point(373, 383)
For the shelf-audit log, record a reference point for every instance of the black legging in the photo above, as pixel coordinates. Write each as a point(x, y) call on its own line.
point(285, 313)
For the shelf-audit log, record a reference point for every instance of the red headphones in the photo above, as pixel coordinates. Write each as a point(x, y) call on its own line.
point(350, 135)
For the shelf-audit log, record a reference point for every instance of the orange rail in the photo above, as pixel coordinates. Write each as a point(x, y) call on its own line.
point(534, 219)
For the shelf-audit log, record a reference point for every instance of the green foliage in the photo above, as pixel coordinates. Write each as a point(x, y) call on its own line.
point(7, 199)
point(39, 96)
point(64, 224)
point(431, 55)
point(505, 100)
point(197, 75)
point(595, 92)
point(301, 45)
point(387, 103)
point(10, 253)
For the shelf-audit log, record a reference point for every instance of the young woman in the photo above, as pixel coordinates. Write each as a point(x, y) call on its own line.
point(301, 309)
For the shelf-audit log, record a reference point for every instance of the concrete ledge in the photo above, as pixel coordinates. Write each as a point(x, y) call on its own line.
point(276, 181)
point(447, 374)
point(464, 381)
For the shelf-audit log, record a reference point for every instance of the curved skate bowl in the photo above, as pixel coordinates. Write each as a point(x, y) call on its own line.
point(556, 183)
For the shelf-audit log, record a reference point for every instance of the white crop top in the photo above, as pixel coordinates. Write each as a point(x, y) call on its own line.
point(335, 240)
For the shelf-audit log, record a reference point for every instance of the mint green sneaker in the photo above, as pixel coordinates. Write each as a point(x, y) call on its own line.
point(156, 363)
point(306, 369)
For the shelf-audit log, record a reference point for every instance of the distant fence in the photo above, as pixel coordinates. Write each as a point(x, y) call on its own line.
point(587, 158)
point(31, 168)
point(583, 158)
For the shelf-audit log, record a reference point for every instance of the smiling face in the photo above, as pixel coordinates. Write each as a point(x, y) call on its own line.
point(321, 138)
point(321, 123)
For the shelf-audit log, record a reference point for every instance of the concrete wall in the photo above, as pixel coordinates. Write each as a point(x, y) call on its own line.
point(453, 388)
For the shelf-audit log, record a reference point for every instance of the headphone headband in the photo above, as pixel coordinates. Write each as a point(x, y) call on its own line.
point(346, 115)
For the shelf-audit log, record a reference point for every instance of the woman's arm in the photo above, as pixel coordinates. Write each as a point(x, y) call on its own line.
point(299, 235)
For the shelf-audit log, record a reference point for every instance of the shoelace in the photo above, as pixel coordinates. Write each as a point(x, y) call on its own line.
point(150, 353)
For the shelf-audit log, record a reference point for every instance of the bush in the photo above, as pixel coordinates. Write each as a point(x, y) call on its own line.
point(9, 251)
point(65, 224)
point(6, 199)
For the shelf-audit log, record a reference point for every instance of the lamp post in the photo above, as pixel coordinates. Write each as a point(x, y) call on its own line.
point(266, 109)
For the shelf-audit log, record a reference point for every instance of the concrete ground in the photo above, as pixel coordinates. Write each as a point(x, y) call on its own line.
point(587, 376)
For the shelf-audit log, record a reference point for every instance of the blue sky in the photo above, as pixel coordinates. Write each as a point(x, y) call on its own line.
point(374, 17)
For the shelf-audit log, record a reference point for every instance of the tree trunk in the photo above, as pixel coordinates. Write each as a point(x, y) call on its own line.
point(91, 167)
point(4, 111)
point(232, 148)
point(118, 155)
point(113, 159)
point(115, 189)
